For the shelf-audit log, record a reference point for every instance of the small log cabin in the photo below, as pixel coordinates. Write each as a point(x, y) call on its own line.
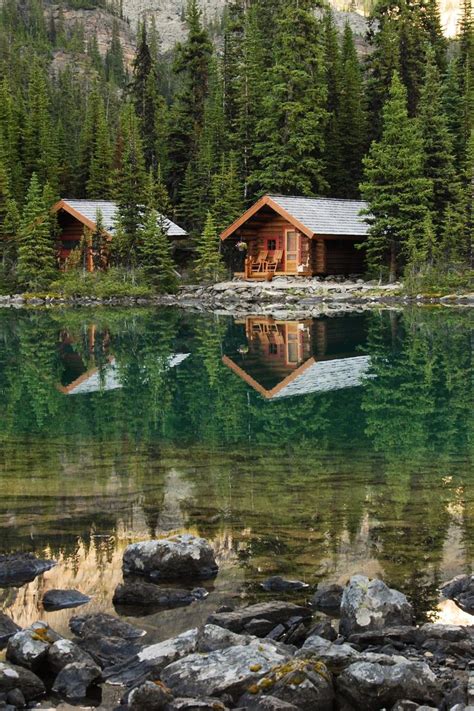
point(289, 358)
point(299, 236)
point(75, 215)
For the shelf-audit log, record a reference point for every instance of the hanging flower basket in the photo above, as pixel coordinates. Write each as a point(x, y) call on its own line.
point(241, 246)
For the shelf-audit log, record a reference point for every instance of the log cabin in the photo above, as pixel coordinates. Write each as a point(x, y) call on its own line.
point(289, 358)
point(299, 236)
point(76, 215)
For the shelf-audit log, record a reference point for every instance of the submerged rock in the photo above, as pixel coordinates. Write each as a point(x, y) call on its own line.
point(371, 605)
point(461, 590)
point(271, 613)
point(63, 599)
point(7, 629)
point(64, 652)
point(74, 680)
point(16, 569)
point(101, 624)
point(176, 558)
point(328, 598)
point(152, 696)
point(277, 584)
point(16, 677)
point(374, 686)
point(29, 647)
point(143, 594)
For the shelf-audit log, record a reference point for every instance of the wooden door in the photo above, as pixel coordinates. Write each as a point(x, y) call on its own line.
point(291, 252)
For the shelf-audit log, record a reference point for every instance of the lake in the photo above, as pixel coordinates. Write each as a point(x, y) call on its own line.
point(312, 449)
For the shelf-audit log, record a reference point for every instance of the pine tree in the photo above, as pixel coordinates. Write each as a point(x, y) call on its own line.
point(397, 193)
point(466, 69)
point(11, 119)
point(290, 135)
point(334, 76)
point(40, 151)
point(9, 223)
point(209, 266)
point(36, 254)
point(155, 254)
point(114, 63)
point(453, 106)
point(99, 181)
point(227, 194)
point(99, 243)
point(232, 66)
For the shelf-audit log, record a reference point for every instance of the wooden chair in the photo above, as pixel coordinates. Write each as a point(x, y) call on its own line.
point(274, 260)
point(258, 264)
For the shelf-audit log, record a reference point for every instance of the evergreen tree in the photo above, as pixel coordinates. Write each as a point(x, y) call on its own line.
point(466, 69)
point(40, 151)
point(290, 135)
point(99, 181)
point(227, 194)
point(155, 252)
point(9, 223)
point(334, 78)
point(209, 266)
point(453, 106)
point(114, 64)
point(397, 192)
point(36, 254)
point(99, 243)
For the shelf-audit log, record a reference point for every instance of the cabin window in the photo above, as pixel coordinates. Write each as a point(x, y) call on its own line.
point(70, 243)
point(273, 349)
point(271, 245)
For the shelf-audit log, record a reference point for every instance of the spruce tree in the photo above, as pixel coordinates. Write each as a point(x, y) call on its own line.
point(99, 243)
point(466, 69)
point(290, 135)
point(208, 266)
point(114, 63)
point(334, 76)
point(394, 186)
point(227, 194)
point(40, 150)
point(99, 181)
point(155, 254)
point(36, 254)
point(453, 106)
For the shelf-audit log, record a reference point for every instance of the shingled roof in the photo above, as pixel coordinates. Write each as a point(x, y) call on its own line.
point(87, 210)
point(312, 216)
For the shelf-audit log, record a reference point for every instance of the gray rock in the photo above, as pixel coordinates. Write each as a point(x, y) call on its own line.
point(16, 698)
point(64, 652)
point(144, 594)
point(202, 704)
point(15, 677)
point(104, 625)
point(334, 656)
point(7, 629)
point(74, 680)
point(150, 696)
point(267, 703)
point(277, 584)
point(372, 686)
point(29, 647)
point(106, 651)
point(404, 634)
point(371, 605)
point(323, 629)
point(225, 671)
point(179, 557)
point(16, 569)
point(150, 660)
point(457, 585)
point(63, 599)
point(212, 637)
point(276, 612)
point(327, 598)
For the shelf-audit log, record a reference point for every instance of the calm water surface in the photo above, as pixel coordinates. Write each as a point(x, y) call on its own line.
point(313, 449)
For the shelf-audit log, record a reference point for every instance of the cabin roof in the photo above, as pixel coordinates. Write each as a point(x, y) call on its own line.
point(86, 211)
point(312, 216)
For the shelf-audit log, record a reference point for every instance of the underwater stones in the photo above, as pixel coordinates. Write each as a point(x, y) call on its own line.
point(74, 679)
point(371, 605)
point(152, 696)
point(278, 584)
point(28, 648)
point(144, 594)
point(63, 599)
point(275, 613)
point(16, 677)
point(177, 558)
point(373, 686)
point(224, 671)
point(149, 661)
point(16, 569)
point(328, 598)
point(64, 652)
point(103, 625)
point(7, 629)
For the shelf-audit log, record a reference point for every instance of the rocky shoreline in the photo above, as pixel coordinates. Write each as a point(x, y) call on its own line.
point(283, 294)
point(341, 649)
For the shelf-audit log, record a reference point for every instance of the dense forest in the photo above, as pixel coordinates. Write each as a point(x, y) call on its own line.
point(281, 103)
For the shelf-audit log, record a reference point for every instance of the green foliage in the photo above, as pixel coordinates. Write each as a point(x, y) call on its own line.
point(209, 266)
point(36, 256)
point(155, 254)
point(112, 283)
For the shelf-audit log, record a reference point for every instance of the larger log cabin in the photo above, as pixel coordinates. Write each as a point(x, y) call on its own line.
point(298, 236)
point(76, 215)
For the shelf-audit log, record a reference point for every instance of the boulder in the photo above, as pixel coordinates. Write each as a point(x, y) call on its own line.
point(74, 680)
point(103, 625)
point(29, 647)
point(334, 656)
point(143, 594)
point(16, 698)
point(323, 629)
point(328, 598)
point(16, 569)
point(372, 686)
point(149, 661)
point(152, 696)
point(15, 677)
point(371, 605)
point(63, 599)
point(201, 704)
point(64, 652)
point(276, 612)
point(176, 558)
point(106, 651)
point(225, 671)
point(212, 637)
point(7, 629)
point(267, 703)
point(306, 684)
point(461, 590)
point(277, 584)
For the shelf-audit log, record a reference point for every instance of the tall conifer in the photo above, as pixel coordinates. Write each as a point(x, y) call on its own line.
point(36, 254)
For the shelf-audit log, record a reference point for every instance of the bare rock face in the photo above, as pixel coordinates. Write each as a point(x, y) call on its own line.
point(371, 605)
point(15, 677)
point(177, 558)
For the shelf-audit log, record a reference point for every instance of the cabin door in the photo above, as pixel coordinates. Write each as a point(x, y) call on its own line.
point(291, 252)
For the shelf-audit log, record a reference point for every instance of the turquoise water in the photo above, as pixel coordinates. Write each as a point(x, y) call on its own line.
point(311, 449)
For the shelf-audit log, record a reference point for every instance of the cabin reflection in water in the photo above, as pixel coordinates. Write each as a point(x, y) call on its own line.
point(287, 358)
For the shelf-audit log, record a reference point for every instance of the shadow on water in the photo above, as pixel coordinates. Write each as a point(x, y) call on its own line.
point(315, 448)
